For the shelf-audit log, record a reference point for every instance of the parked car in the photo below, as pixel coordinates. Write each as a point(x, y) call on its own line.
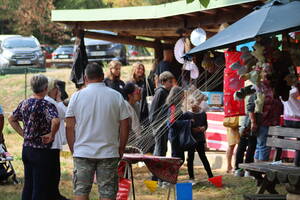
point(135, 51)
point(63, 56)
point(16, 50)
point(99, 50)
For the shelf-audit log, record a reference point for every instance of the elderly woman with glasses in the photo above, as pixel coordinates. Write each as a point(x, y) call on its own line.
point(40, 124)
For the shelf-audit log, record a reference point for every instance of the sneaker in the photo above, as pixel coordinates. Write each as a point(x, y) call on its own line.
point(248, 174)
point(165, 184)
point(239, 172)
point(192, 181)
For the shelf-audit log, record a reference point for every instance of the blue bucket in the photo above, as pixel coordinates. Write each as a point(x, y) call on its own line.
point(184, 191)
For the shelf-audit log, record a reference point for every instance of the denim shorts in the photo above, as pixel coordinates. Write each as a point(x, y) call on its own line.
point(106, 173)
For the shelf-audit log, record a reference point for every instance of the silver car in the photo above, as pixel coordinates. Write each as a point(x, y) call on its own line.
point(16, 50)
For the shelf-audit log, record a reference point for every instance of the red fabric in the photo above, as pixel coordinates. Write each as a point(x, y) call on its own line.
point(272, 108)
point(124, 189)
point(165, 168)
point(172, 114)
point(121, 168)
point(232, 83)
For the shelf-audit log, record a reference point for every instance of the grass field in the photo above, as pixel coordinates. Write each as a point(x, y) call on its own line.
point(12, 91)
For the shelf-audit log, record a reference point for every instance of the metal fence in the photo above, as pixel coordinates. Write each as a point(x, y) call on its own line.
point(21, 70)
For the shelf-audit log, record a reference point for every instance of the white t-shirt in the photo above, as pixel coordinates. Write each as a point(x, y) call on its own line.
point(97, 110)
point(60, 137)
point(292, 106)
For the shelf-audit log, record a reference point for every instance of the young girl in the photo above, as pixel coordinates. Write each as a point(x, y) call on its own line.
point(199, 126)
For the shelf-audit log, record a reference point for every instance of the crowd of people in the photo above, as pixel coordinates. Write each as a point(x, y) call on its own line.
point(106, 114)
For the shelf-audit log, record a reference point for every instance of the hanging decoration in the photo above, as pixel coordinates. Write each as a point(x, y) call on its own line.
point(198, 36)
point(179, 50)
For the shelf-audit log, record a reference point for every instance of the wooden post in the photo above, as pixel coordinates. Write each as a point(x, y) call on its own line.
point(158, 50)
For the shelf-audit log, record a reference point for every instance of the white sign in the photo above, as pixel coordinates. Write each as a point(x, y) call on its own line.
point(63, 56)
point(98, 53)
point(23, 62)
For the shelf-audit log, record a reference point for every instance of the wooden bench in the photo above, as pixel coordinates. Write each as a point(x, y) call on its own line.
point(268, 174)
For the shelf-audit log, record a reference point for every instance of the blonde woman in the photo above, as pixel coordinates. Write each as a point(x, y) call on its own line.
point(147, 89)
point(113, 76)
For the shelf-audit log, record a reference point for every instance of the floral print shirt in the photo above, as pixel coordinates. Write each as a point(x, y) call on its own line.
point(36, 115)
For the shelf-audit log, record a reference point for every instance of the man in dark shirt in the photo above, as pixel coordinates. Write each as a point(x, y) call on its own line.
point(167, 64)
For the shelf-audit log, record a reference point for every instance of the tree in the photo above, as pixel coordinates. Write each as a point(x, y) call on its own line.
point(126, 3)
point(33, 17)
point(202, 2)
point(79, 4)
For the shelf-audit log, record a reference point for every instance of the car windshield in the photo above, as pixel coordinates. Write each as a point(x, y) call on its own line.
point(19, 43)
point(66, 49)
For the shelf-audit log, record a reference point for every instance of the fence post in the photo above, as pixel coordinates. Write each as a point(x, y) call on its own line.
point(25, 82)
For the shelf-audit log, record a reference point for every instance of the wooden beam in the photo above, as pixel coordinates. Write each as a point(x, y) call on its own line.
point(168, 24)
point(191, 14)
point(218, 18)
point(164, 24)
point(226, 9)
point(210, 12)
point(122, 39)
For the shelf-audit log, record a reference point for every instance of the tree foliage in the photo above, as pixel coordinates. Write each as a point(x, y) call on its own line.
point(202, 2)
point(125, 3)
point(79, 4)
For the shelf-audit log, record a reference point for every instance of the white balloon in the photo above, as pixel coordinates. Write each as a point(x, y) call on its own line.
point(198, 36)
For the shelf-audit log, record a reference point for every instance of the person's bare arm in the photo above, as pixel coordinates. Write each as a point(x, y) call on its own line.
point(70, 132)
point(156, 81)
point(54, 128)
point(253, 121)
point(15, 124)
point(124, 132)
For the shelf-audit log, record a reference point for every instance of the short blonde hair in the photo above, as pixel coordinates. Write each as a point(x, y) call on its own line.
point(51, 84)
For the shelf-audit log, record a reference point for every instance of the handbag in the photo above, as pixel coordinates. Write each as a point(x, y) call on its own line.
point(186, 139)
point(231, 122)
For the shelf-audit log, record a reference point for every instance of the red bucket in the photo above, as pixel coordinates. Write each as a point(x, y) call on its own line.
point(216, 181)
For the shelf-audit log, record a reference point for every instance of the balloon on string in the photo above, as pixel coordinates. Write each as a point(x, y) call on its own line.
point(179, 50)
point(198, 36)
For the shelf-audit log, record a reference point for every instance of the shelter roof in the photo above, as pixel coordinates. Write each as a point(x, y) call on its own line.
point(159, 21)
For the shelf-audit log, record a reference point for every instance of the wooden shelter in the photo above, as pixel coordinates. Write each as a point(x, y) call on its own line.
point(155, 26)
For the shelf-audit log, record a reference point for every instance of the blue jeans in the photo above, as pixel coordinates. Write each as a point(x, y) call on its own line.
point(262, 152)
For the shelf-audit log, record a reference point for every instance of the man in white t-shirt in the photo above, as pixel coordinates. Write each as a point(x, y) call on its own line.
point(97, 132)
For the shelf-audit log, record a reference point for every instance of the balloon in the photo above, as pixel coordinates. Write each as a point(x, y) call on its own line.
point(198, 36)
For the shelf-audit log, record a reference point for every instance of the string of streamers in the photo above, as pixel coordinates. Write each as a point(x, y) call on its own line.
point(159, 127)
